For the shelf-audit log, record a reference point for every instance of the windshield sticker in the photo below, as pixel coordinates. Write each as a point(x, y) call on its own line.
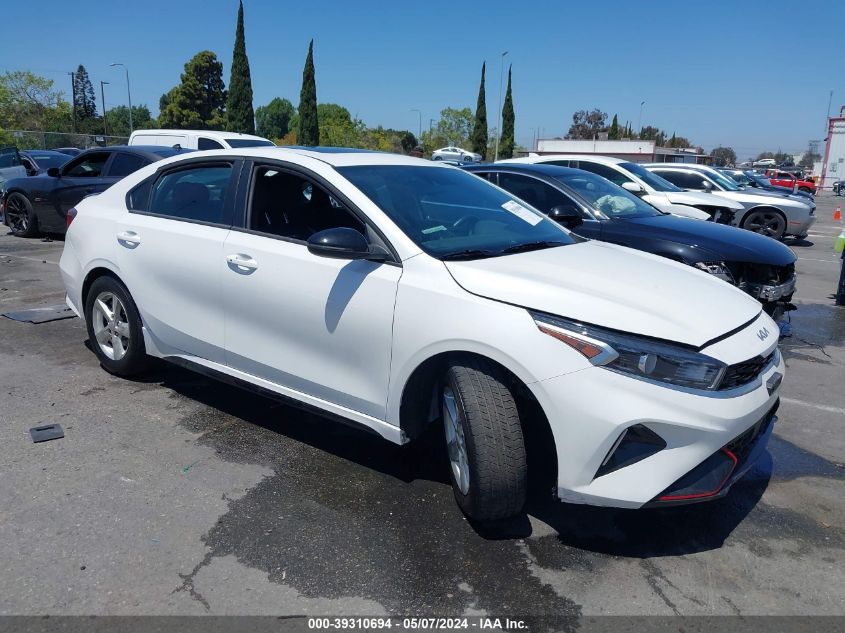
point(434, 229)
point(521, 212)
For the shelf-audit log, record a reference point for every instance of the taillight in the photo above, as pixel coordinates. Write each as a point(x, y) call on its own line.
point(71, 214)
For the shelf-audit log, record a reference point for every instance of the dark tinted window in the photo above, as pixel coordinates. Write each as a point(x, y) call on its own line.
point(197, 193)
point(207, 143)
point(125, 164)
point(88, 166)
point(139, 198)
point(248, 142)
point(9, 157)
point(604, 171)
point(684, 180)
point(289, 205)
point(45, 161)
point(535, 192)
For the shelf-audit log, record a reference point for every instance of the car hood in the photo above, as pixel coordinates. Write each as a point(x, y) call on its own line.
point(725, 243)
point(692, 198)
point(614, 287)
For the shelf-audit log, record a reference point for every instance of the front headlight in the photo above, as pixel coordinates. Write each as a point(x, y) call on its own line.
point(635, 356)
point(717, 269)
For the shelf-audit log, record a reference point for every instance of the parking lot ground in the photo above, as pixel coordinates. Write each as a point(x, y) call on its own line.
point(179, 495)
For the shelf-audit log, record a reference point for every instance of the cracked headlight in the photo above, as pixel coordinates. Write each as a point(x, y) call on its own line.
point(718, 269)
point(635, 356)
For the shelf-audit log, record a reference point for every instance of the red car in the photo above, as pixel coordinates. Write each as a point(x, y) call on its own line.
point(785, 179)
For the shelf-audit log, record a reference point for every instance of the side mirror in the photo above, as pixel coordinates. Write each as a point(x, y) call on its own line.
point(707, 186)
point(633, 188)
point(53, 172)
point(567, 215)
point(344, 243)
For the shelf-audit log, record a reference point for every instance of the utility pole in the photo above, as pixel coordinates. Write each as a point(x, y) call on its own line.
point(499, 116)
point(419, 112)
point(73, 99)
point(640, 120)
point(103, 96)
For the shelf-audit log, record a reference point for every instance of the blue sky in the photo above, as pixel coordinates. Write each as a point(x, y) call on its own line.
point(755, 76)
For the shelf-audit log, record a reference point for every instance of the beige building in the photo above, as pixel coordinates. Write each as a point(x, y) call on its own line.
point(633, 150)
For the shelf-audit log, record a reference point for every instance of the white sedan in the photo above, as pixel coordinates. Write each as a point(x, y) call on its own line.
point(456, 154)
point(394, 293)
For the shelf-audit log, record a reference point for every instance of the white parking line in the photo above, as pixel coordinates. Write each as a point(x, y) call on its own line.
point(820, 407)
point(810, 259)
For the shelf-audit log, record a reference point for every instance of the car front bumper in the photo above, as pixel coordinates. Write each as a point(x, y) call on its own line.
point(590, 410)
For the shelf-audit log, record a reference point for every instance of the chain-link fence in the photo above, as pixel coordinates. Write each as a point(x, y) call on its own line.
point(33, 139)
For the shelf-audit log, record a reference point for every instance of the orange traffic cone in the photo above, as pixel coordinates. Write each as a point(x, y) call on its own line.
point(837, 215)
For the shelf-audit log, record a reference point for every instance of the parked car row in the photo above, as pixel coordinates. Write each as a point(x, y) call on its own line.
point(501, 302)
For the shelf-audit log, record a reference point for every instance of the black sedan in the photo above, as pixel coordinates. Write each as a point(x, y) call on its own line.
point(39, 204)
point(596, 208)
point(37, 161)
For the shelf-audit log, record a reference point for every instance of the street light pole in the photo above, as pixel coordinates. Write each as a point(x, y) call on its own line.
point(128, 95)
point(103, 96)
point(499, 117)
point(640, 120)
point(419, 112)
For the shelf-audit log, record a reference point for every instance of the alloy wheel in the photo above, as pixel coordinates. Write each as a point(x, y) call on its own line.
point(768, 223)
point(453, 423)
point(17, 214)
point(111, 325)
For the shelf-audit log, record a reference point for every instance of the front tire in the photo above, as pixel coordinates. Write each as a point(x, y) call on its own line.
point(768, 222)
point(484, 440)
point(114, 328)
point(437, 158)
point(20, 216)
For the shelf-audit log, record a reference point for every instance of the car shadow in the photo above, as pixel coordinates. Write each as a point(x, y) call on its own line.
point(645, 533)
point(800, 243)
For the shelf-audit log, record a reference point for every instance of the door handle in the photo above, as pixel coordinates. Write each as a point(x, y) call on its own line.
point(242, 261)
point(129, 238)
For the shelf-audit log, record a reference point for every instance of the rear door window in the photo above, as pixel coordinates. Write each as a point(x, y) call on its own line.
point(195, 194)
point(207, 143)
point(124, 164)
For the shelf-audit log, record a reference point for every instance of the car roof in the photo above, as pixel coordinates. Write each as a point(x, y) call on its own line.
point(596, 158)
point(210, 133)
point(334, 156)
point(526, 168)
point(49, 152)
point(155, 152)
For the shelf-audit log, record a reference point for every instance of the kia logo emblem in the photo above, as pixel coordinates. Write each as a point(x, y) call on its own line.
point(763, 334)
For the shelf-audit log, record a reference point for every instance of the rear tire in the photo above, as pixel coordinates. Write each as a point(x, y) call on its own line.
point(484, 439)
point(114, 328)
point(20, 216)
point(437, 158)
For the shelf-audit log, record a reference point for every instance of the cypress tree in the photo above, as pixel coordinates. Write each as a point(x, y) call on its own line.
point(86, 102)
point(240, 115)
point(613, 133)
point(309, 128)
point(508, 122)
point(479, 130)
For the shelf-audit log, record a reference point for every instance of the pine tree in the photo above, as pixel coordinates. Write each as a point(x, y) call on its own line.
point(309, 128)
point(241, 117)
point(613, 133)
point(85, 101)
point(479, 130)
point(508, 123)
point(672, 140)
point(198, 102)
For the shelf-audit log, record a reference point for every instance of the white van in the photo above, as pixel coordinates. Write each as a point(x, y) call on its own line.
point(197, 139)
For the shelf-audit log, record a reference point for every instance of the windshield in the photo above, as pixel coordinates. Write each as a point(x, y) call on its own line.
point(45, 161)
point(760, 180)
point(249, 142)
point(723, 181)
point(611, 200)
point(451, 214)
point(738, 178)
point(652, 180)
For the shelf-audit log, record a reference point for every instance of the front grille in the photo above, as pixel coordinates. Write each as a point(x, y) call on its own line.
point(765, 274)
point(745, 372)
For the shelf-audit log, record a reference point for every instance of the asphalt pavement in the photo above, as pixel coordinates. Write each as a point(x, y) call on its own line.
point(176, 494)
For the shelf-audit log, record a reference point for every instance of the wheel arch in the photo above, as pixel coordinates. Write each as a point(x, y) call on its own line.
point(97, 271)
point(420, 406)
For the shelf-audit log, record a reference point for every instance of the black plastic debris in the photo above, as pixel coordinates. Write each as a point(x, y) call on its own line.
point(46, 433)
point(41, 315)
